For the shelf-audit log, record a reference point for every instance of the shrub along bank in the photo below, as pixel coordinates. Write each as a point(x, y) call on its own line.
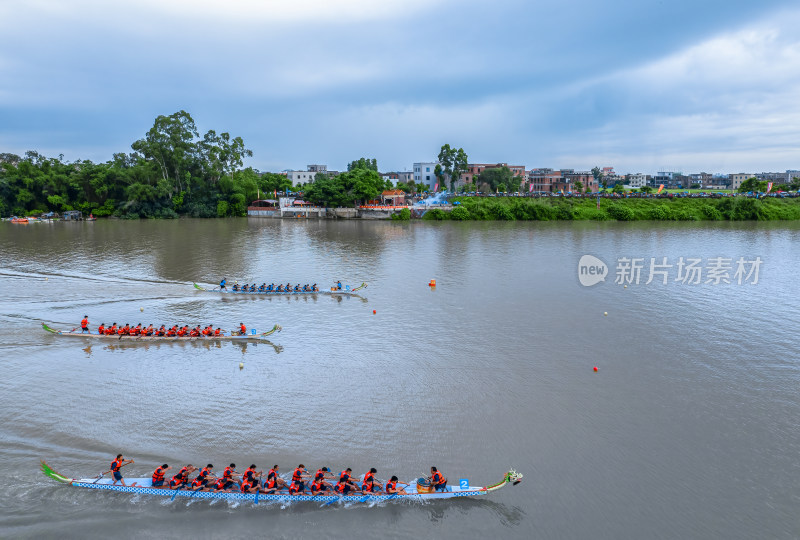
point(673, 209)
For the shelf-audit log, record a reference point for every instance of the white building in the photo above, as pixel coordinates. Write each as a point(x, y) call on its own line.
point(424, 174)
point(637, 180)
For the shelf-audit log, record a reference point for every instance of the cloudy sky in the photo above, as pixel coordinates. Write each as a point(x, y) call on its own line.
point(641, 85)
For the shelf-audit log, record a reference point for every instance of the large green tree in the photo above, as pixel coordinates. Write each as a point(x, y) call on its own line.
point(454, 163)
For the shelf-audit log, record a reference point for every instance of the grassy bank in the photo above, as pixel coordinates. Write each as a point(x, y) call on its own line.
point(678, 209)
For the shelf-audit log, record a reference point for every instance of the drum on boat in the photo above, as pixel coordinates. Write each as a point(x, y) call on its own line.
point(424, 485)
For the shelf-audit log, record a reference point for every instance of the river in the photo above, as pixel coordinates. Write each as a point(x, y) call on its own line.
point(687, 429)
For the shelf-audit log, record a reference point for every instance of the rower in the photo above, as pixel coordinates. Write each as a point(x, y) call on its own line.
point(227, 481)
point(346, 478)
point(235, 287)
point(162, 331)
point(217, 332)
point(262, 287)
point(288, 287)
point(280, 287)
point(178, 481)
point(314, 287)
point(392, 489)
point(438, 481)
point(249, 478)
point(222, 284)
point(158, 475)
point(116, 465)
point(305, 288)
point(271, 287)
point(85, 325)
point(323, 474)
point(111, 329)
point(297, 288)
point(253, 287)
point(149, 331)
point(369, 483)
point(124, 330)
point(339, 285)
point(273, 476)
point(195, 331)
point(136, 330)
point(101, 329)
point(173, 332)
point(343, 487)
point(320, 486)
point(298, 479)
point(208, 330)
point(242, 329)
point(203, 478)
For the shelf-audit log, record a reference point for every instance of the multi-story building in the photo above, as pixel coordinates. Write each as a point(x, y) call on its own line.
point(475, 169)
point(545, 180)
point(737, 179)
point(424, 173)
point(779, 178)
point(637, 180)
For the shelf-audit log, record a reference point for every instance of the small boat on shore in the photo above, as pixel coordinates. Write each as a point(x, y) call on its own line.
point(19, 220)
point(335, 291)
point(75, 332)
point(143, 486)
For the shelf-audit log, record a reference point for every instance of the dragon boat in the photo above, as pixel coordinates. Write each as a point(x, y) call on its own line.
point(334, 291)
point(143, 486)
point(252, 334)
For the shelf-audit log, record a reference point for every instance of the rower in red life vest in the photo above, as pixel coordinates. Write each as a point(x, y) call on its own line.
point(182, 331)
point(116, 465)
point(162, 331)
point(392, 489)
point(346, 482)
point(158, 475)
point(272, 475)
point(242, 329)
point(320, 486)
point(194, 332)
point(438, 481)
point(299, 476)
point(125, 330)
point(323, 473)
point(227, 481)
point(217, 332)
point(173, 332)
point(203, 478)
point(137, 330)
point(111, 330)
point(249, 480)
point(369, 484)
point(207, 331)
point(101, 329)
point(178, 481)
point(149, 331)
point(85, 324)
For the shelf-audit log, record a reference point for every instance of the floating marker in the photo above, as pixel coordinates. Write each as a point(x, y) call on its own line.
point(45, 279)
point(141, 309)
point(605, 313)
point(595, 368)
point(626, 286)
point(432, 283)
point(374, 312)
point(241, 366)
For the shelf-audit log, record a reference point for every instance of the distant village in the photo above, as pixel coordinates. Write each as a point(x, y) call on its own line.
point(546, 180)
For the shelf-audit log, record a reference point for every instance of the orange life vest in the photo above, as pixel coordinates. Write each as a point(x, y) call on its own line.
point(85, 323)
point(158, 475)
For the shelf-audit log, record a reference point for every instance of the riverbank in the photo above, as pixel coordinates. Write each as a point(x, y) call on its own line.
point(633, 209)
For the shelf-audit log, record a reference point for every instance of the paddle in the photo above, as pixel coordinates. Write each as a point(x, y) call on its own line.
point(101, 475)
point(177, 489)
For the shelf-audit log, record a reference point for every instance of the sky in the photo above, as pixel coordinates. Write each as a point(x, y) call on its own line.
point(640, 85)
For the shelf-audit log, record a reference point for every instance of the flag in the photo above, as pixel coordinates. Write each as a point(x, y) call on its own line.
point(275, 194)
point(530, 187)
point(436, 187)
point(769, 187)
point(598, 200)
point(660, 187)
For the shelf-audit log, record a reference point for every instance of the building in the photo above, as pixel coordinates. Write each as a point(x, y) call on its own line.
point(475, 169)
point(393, 197)
point(301, 177)
point(637, 180)
point(737, 179)
point(550, 181)
point(395, 177)
point(424, 174)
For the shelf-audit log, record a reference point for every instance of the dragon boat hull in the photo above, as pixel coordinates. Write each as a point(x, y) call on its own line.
point(143, 486)
point(333, 292)
point(148, 339)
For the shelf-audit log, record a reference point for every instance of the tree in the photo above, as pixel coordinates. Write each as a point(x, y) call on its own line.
point(694, 186)
point(617, 188)
point(645, 189)
point(495, 176)
point(753, 184)
point(438, 172)
point(363, 163)
point(454, 163)
point(578, 186)
point(170, 144)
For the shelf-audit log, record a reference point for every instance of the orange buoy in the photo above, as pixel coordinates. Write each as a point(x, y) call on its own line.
point(595, 368)
point(374, 312)
point(432, 283)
